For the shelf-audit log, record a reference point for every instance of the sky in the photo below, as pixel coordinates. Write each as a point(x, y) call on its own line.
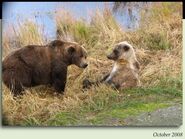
point(27, 10)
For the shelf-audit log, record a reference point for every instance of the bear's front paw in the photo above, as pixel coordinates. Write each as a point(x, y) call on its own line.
point(58, 93)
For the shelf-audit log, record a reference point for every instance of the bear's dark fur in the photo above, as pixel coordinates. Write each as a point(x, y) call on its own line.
point(35, 65)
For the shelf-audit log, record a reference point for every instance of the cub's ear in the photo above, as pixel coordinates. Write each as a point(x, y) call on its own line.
point(71, 50)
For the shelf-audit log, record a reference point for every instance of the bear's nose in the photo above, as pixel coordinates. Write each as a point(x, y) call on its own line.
point(108, 56)
point(85, 65)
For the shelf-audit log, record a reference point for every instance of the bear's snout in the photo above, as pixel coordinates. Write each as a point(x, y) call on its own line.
point(111, 56)
point(108, 56)
point(84, 65)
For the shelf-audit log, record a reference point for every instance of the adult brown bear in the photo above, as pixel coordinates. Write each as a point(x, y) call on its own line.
point(35, 65)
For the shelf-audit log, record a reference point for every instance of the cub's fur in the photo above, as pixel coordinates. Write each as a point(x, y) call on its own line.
point(124, 73)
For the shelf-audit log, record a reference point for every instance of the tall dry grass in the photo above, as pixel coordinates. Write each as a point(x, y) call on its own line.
point(158, 45)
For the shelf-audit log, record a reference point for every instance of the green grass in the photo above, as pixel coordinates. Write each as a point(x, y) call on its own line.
point(31, 122)
point(123, 111)
point(116, 107)
point(157, 41)
point(63, 118)
point(160, 33)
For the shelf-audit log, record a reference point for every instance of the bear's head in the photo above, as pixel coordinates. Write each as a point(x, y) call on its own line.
point(71, 52)
point(124, 51)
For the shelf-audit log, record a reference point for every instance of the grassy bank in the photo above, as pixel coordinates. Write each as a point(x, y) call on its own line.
point(158, 45)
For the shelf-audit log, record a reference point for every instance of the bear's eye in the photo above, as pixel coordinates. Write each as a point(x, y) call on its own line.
point(81, 56)
point(126, 48)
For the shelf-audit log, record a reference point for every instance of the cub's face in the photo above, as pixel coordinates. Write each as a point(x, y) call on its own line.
point(122, 50)
point(77, 55)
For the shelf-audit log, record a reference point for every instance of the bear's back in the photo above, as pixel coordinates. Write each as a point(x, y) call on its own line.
point(33, 60)
point(31, 55)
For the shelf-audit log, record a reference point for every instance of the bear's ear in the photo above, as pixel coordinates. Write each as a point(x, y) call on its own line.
point(71, 50)
point(56, 43)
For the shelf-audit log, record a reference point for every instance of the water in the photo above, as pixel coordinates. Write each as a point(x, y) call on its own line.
point(42, 14)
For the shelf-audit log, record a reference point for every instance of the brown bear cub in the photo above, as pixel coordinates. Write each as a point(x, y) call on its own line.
point(35, 65)
point(124, 73)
